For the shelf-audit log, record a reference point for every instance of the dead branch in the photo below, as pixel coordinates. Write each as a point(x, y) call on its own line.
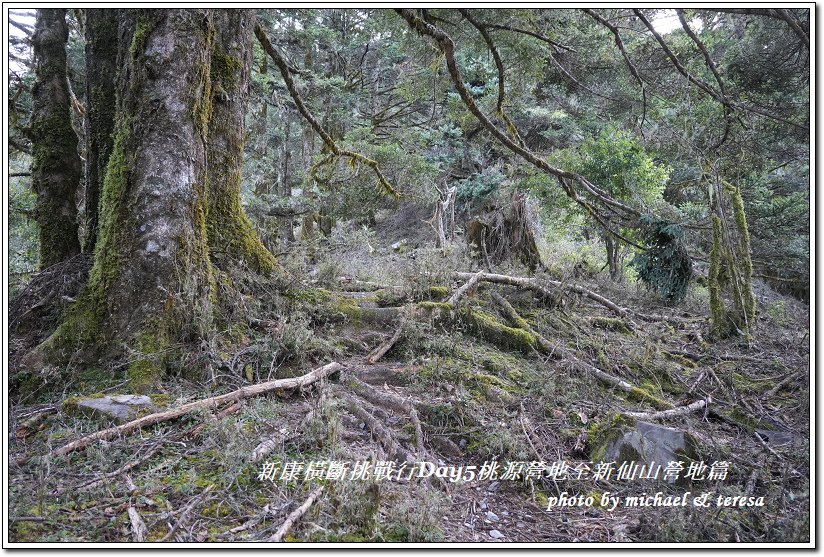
point(267, 446)
point(185, 514)
point(295, 515)
point(379, 352)
point(471, 281)
point(139, 530)
point(213, 402)
point(678, 411)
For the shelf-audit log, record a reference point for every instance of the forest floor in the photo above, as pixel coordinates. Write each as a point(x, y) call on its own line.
point(481, 392)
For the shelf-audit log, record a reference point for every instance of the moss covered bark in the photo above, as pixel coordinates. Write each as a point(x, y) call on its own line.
point(229, 229)
point(101, 72)
point(56, 165)
point(150, 286)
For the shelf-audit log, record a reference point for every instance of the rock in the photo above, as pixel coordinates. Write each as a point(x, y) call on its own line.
point(116, 407)
point(401, 246)
point(492, 517)
point(495, 535)
point(776, 438)
point(623, 439)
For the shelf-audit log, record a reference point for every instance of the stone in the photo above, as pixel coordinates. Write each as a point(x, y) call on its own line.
point(492, 517)
point(623, 439)
point(495, 535)
point(120, 408)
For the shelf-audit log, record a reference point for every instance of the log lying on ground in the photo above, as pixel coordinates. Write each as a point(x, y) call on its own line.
point(212, 403)
point(678, 411)
point(295, 515)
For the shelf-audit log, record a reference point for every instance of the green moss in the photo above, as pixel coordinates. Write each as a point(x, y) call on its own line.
point(602, 433)
point(148, 365)
point(492, 330)
point(225, 71)
point(643, 395)
point(142, 30)
point(437, 293)
point(312, 296)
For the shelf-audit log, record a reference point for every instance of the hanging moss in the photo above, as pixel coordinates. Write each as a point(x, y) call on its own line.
point(745, 261)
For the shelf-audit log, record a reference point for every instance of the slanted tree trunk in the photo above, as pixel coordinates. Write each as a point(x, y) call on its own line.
point(101, 73)
point(229, 229)
point(56, 167)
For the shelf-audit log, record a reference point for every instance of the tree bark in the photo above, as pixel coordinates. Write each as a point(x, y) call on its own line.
point(56, 167)
point(150, 285)
point(101, 74)
point(229, 229)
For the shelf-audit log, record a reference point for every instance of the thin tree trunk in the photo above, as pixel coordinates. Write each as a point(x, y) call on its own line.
point(56, 167)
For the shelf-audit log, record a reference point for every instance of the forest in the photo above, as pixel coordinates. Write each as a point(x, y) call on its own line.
point(451, 275)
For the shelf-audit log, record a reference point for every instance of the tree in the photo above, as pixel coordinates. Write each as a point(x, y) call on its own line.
point(56, 167)
point(101, 73)
point(164, 208)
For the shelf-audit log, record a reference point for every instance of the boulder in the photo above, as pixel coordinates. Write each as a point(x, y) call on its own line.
point(621, 438)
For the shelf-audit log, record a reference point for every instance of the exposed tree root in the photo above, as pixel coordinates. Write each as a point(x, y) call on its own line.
point(535, 286)
point(295, 515)
point(390, 401)
point(384, 436)
point(213, 402)
point(566, 354)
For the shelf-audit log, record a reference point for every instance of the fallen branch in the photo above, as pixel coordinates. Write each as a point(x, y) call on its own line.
point(379, 352)
point(471, 281)
point(139, 530)
point(678, 411)
point(267, 446)
point(295, 515)
point(213, 402)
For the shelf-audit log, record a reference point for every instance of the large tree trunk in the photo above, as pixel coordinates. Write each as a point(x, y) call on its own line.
point(229, 229)
point(149, 287)
point(56, 167)
point(171, 194)
point(101, 72)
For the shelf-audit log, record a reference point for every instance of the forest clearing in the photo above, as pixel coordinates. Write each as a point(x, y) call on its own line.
point(455, 276)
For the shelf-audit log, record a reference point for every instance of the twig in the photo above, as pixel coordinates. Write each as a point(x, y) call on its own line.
point(384, 436)
point(295, 515)
point(213, 402)
point(185, 514)
point(766, 446)
point(678, 411)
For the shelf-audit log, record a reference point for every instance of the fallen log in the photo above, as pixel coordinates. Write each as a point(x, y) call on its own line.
point(381, 350)
point(213, 402)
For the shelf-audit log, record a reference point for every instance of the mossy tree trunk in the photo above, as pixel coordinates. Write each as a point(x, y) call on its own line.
point(229, 229)
point(730, 269)
point(171, 193)
point(101, 73)
point(150, 286)
point(56, 166)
